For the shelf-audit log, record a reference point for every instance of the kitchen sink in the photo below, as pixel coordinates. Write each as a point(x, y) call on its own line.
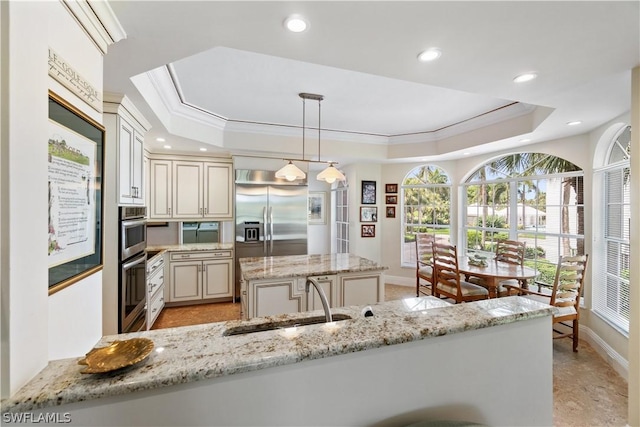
point(270, 326)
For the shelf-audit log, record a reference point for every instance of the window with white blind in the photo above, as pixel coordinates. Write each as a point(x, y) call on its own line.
point(341, 215)
point(535, 198)
point(611, 282)
point(426, 207)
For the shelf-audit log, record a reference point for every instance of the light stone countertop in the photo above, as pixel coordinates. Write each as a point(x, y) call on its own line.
point(304, 265)
point(191, 247)
point(195, 353)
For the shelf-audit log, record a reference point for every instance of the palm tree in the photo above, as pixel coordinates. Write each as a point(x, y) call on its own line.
point(528, 164)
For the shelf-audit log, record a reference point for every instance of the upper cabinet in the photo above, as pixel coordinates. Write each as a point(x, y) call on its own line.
point(190, 189)
point(125, 128)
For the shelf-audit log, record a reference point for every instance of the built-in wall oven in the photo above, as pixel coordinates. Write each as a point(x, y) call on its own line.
point(133, 269)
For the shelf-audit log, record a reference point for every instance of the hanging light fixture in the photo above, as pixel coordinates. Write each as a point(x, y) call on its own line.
point(291, 172)
point(330, 174)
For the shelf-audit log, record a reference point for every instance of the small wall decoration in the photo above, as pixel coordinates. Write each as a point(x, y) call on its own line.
point(316, 210)
point(76, 150)
point(368, 214)
point(392, 200)
point(368, 230)
point(368, 192)
point(391, 211)
point(391, 188)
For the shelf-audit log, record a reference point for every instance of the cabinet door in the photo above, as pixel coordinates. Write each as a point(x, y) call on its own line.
point(216, 278)
point(160, 189)
point(274, 297)
point(186, 281)
point(218, 190)
point(187, 189)
point(137, 182)
point(328, 285)
point(125, 147)
point(361, 289)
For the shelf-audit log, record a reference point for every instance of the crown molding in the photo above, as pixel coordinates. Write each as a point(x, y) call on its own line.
point(98, 21)
point(117, 103)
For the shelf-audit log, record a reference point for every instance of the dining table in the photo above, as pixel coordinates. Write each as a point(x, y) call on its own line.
point(495, 271)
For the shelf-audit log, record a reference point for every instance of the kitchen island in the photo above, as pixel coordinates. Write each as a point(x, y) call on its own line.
point(276, 285)
point(417, 358)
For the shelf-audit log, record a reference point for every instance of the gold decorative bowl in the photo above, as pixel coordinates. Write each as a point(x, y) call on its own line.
point(119, 354)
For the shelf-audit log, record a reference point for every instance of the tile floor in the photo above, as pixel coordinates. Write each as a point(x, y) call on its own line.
point(586, 390)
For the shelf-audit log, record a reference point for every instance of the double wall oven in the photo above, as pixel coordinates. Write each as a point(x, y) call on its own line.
point(132, 308)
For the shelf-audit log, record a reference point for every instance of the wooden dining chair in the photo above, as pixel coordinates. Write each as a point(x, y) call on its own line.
point(424, 267)
point(565, 296)
point(447, 276)
point(511, 252)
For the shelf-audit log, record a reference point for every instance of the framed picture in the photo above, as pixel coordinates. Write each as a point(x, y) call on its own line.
point(391, 211)
point(368, 192)
point(391, 188)
point(75, 164)
point(316, 209)
point(368, 214)
point(392, 200)
point(368, 230)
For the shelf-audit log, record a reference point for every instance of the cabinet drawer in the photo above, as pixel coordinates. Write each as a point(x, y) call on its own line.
point(155, 281)
point(195, 255)
point(155, 307)
point(155, 265)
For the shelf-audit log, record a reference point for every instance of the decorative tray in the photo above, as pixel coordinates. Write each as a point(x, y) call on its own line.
point(119, 354)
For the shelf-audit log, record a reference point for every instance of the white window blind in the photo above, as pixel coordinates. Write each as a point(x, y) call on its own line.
point(611, 278)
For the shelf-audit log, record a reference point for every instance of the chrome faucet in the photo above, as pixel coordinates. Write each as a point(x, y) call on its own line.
point(323, 297)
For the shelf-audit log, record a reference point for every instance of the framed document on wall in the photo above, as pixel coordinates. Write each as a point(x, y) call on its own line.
point(75, 165)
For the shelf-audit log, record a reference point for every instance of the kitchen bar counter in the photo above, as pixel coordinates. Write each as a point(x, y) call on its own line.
point(304, 266)
point(195, 353)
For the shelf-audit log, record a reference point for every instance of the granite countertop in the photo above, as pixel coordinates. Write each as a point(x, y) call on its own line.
point(191, 247)
point(304, 265)
point(194, 353)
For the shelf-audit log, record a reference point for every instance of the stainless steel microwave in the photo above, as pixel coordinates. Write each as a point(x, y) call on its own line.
point(133, 231)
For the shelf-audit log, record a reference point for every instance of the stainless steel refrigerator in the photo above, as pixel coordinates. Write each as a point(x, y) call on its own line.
point(271, 217)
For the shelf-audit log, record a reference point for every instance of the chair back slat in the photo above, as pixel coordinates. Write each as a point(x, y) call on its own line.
point(424, 248)
point(447, 276)
point(511, 251)
point(569, 280)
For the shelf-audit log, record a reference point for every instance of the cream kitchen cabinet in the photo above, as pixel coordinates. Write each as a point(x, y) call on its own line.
point(155, 289)
point(125, 129)
point(268, 297)
point(160, 191)
point(328, 283)
point(190, 190)
point(200, 275)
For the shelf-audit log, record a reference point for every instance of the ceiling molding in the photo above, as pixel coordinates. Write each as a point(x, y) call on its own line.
point(98, 20)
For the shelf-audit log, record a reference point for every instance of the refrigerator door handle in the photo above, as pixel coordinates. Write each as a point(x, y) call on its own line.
point(271, 227)
point(264, 229)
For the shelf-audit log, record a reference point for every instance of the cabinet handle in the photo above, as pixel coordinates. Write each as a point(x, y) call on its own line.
point(169, 211)
point(206, 211)
point(154, 310)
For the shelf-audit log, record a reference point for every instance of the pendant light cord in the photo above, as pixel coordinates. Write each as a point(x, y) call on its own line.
point(319, 115)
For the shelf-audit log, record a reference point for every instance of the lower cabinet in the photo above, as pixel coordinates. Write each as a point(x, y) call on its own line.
point(200, 275)
point(155, 290)
point(268, 297)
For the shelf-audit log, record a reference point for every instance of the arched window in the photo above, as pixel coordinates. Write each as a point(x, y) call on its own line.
point(425, 205)
point(531, 197)
point(611, 276)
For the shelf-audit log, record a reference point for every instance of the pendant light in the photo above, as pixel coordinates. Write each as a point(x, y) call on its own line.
point(291, 172)
point(330, 174)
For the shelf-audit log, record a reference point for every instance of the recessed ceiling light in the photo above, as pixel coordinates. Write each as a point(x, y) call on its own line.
point(160, 139)
point(466, 153)
point(203, 149)
point(429, 54)
point(574, 123)
point(296, 23)
point(525, 140)
point(526, 77)
point(168, 147)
